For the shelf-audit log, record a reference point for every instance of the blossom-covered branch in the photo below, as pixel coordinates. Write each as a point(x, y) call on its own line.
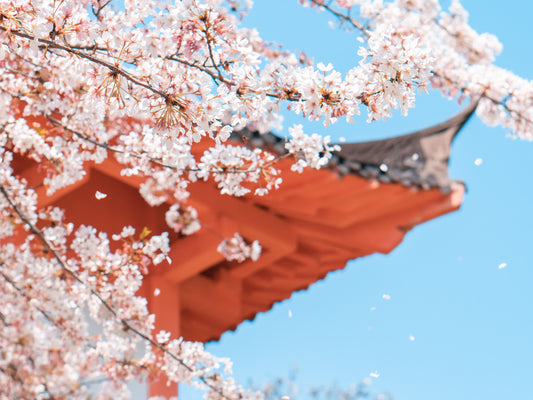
point(160, 86)
point(462, 58)
point(99, 283)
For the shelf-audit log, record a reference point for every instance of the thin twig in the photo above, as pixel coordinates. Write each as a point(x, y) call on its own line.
point(341, 16)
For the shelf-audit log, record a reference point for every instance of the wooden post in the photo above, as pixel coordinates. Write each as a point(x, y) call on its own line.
point(163, 301)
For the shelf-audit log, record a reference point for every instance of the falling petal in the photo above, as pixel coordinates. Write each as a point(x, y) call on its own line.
point(502, 265)
point(374, 374)
point(290, 314)
point(386, 296)
point(478, 161)
point(99, 195)
point(411, 338)
point(157, 292)
point(372, 308)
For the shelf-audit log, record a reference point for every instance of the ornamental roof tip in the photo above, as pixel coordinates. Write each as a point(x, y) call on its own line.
point(419, 159)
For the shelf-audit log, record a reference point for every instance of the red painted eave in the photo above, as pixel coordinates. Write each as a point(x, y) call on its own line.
point(314, 225)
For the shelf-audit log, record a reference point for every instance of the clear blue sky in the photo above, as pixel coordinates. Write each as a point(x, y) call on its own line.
point(472, 322)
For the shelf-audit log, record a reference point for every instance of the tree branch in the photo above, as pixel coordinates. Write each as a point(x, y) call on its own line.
point(127, 326)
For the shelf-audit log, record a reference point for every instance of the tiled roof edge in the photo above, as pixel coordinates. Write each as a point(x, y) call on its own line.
point(419, 159)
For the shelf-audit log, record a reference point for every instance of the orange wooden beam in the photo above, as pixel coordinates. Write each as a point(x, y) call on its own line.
point(215, 302)
point(165, 304)
point(193, 254)
point(371, 237)
point(252, 221)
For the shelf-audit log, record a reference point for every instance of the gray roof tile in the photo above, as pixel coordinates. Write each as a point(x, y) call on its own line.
point(417, 159)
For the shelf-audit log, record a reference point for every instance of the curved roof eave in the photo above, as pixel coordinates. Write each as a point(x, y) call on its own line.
point(417, 159)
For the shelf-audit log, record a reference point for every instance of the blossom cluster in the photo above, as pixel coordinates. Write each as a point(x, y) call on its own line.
point(310, 151)
point(159, 88)
point(411, 45)
point(236, 249)
point(182, 219)
point(233, 166)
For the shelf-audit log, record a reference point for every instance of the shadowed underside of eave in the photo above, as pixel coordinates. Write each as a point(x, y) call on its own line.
point(315, 232)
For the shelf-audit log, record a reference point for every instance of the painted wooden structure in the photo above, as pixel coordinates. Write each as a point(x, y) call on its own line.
point(370, 197)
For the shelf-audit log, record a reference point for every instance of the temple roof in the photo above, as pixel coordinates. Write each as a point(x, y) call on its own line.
point(314, 224)
point(372, 194)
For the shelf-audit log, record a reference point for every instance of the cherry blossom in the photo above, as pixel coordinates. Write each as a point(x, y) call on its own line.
point(160, 88)
point(184, 220)
point(237, 249)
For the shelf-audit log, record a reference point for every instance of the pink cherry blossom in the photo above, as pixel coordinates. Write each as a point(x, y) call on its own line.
point(160, 88)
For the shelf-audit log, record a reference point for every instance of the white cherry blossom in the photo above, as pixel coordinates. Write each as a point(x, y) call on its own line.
point(160, 88)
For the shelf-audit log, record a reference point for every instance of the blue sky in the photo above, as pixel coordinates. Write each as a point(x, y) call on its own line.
point(472, 322)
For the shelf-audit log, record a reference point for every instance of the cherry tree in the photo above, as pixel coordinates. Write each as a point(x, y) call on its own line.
point(144, 82)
